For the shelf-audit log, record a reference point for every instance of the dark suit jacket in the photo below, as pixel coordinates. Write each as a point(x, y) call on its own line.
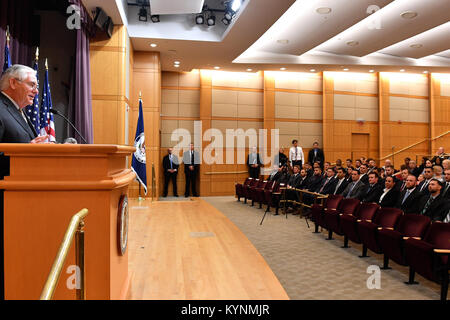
point(293, 180)
point(187, 161)
point(314, 183)
point(437, 210)
point(390, 199)
point(258, 161)
point(357, 191)
point(320, 157)
point(303, 183)
point(166, 163)
point(446, 193)
point(411, 204)
point(280, 159)
point(373, 194)
point(13, 127)
point(329, 187)
point(342, 187)
point(365, 178)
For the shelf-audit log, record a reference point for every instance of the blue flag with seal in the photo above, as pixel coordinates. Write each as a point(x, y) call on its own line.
point(7, 61)
point(138, 164)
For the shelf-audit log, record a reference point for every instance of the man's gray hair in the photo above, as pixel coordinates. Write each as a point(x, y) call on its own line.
point(17, 71)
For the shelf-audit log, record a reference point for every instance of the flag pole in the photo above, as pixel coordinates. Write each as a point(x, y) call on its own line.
point(7, 35)
point(140, 198)
point(37, 54)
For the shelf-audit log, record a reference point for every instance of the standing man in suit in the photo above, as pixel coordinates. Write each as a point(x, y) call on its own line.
point(410, 196)
point(434, 205)
point(18, 86)
point(170, 165)
point(191, 159)
point(254, 164)
point(316, 155)
point(296, 156)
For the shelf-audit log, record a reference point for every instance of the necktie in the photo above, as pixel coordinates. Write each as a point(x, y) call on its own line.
point(403, 186)
point(338, 185)
point(295, 153)
point(447, 185)
point(351, 189)
point(425, 184)
point(427, 205)
point(326, 181)
point(192, 157)
point(407, 193)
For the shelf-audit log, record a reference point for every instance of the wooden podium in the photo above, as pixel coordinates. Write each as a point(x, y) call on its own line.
point(46, 186)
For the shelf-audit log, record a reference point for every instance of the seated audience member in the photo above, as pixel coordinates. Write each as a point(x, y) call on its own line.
point(438, 162)
point(276, 173)
point(374, 190)
point(440, 156)
point(284, 177)
point(363, 173)
point(407, 160)
point(438, 172)
point(387, 162)
point(381, 174)
point(372, 165)
point(446, 188)
point(303, 182)
point(412, 167)
point(409, 198)
point(433, 204)
point(422, 165)
point(341, 181)
point(338, 164)
point(329, 183)
point(348, 174)
point(309, 169)
point(349, 163)
point(357, 164)
point(281, 159)
point(356, 188)
point(292, 183)
point(404, 175)
point(316, 180)
point(423, 186)
point(446, 164)
point(390, 194)
point(420, 178)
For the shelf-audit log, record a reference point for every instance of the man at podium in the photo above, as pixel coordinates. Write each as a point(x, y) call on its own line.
point(18, 86)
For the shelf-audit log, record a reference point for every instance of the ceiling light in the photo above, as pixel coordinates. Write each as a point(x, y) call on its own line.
point(199, 19)
point(345, 69)
point(176, 65)
point(416, 46)
point(282, 69)
point(154, 18)
point(402, 70)
point(153, 45)
point(425, 71)
point(211, 20)
point(142, 14)
point(225, 21)
point(409, 15)
point(312, 70)
point(177, 62)
point(236, 5)
point(371, 71)
point(323, 10)
point(352, 43)
point(283, 41)
point(249, 69)
point(217, 68)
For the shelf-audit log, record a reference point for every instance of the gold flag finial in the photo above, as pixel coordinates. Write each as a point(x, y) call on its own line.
point(37, 53)
point(7, 35)
point(46, 64)
point(140, 95)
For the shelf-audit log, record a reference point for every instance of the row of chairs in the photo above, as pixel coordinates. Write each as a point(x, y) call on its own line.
point(408, 239)
point(259, 191)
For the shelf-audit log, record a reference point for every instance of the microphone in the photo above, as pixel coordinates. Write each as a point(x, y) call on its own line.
point(54, 111)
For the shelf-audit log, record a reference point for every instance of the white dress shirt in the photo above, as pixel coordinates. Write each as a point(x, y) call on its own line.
point(296, 154)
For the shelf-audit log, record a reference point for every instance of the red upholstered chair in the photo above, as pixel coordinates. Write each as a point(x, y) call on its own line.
point(248, 187)
point(255, 191)
point(392, 241)
point(386, 218)
point(240, 188)
point(272, 198)
point(349, 223)
point(332, 217)
point(260, 198)
point(430, 257)
point(317, 210)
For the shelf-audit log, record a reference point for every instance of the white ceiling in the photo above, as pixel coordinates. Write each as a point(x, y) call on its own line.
point(268, 34)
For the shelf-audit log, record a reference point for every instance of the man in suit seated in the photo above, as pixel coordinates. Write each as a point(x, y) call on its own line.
point(390, 194)
point(446, 188)
point(280, 159)
point(356, 188)
point(329, 183)
point(434, 205)
point(292, 183)
point(409, 198)
point(363, 173)
point(303, 182)
point(341, 181)
point(374, 189)
point(170, 166)
point(423, 186)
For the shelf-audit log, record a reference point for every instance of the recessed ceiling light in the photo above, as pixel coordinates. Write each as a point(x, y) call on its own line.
point(402, 70)
point(345, 69)
point(312, 70)
point(323, 10)
point(176, 65)
point(409, 15)
point(352, 43)
point(153, 45)
point(217, 68)
point(282, 69)
point(416, 46)
point(371, 71)
point(425, 71)
point(249, 69)
point(283, 41)
point(177, 62)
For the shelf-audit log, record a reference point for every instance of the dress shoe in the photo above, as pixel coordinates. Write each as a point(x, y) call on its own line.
point(186, 195)
point(196, 195)
point(176, 196)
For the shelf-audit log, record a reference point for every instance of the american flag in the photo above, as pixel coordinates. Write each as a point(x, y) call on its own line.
point(7, 61)
point(47, 125)
point(33, 111)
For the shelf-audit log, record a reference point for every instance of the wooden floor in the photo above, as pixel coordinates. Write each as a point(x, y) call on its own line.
point(190, 250)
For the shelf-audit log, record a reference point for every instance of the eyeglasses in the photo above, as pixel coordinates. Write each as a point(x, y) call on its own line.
point(32, 85)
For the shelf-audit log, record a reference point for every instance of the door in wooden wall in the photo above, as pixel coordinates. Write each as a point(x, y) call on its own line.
point(360, 145)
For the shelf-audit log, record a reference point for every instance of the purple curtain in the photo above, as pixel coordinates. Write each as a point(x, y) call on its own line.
point(18, 15)
point(80, 107)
